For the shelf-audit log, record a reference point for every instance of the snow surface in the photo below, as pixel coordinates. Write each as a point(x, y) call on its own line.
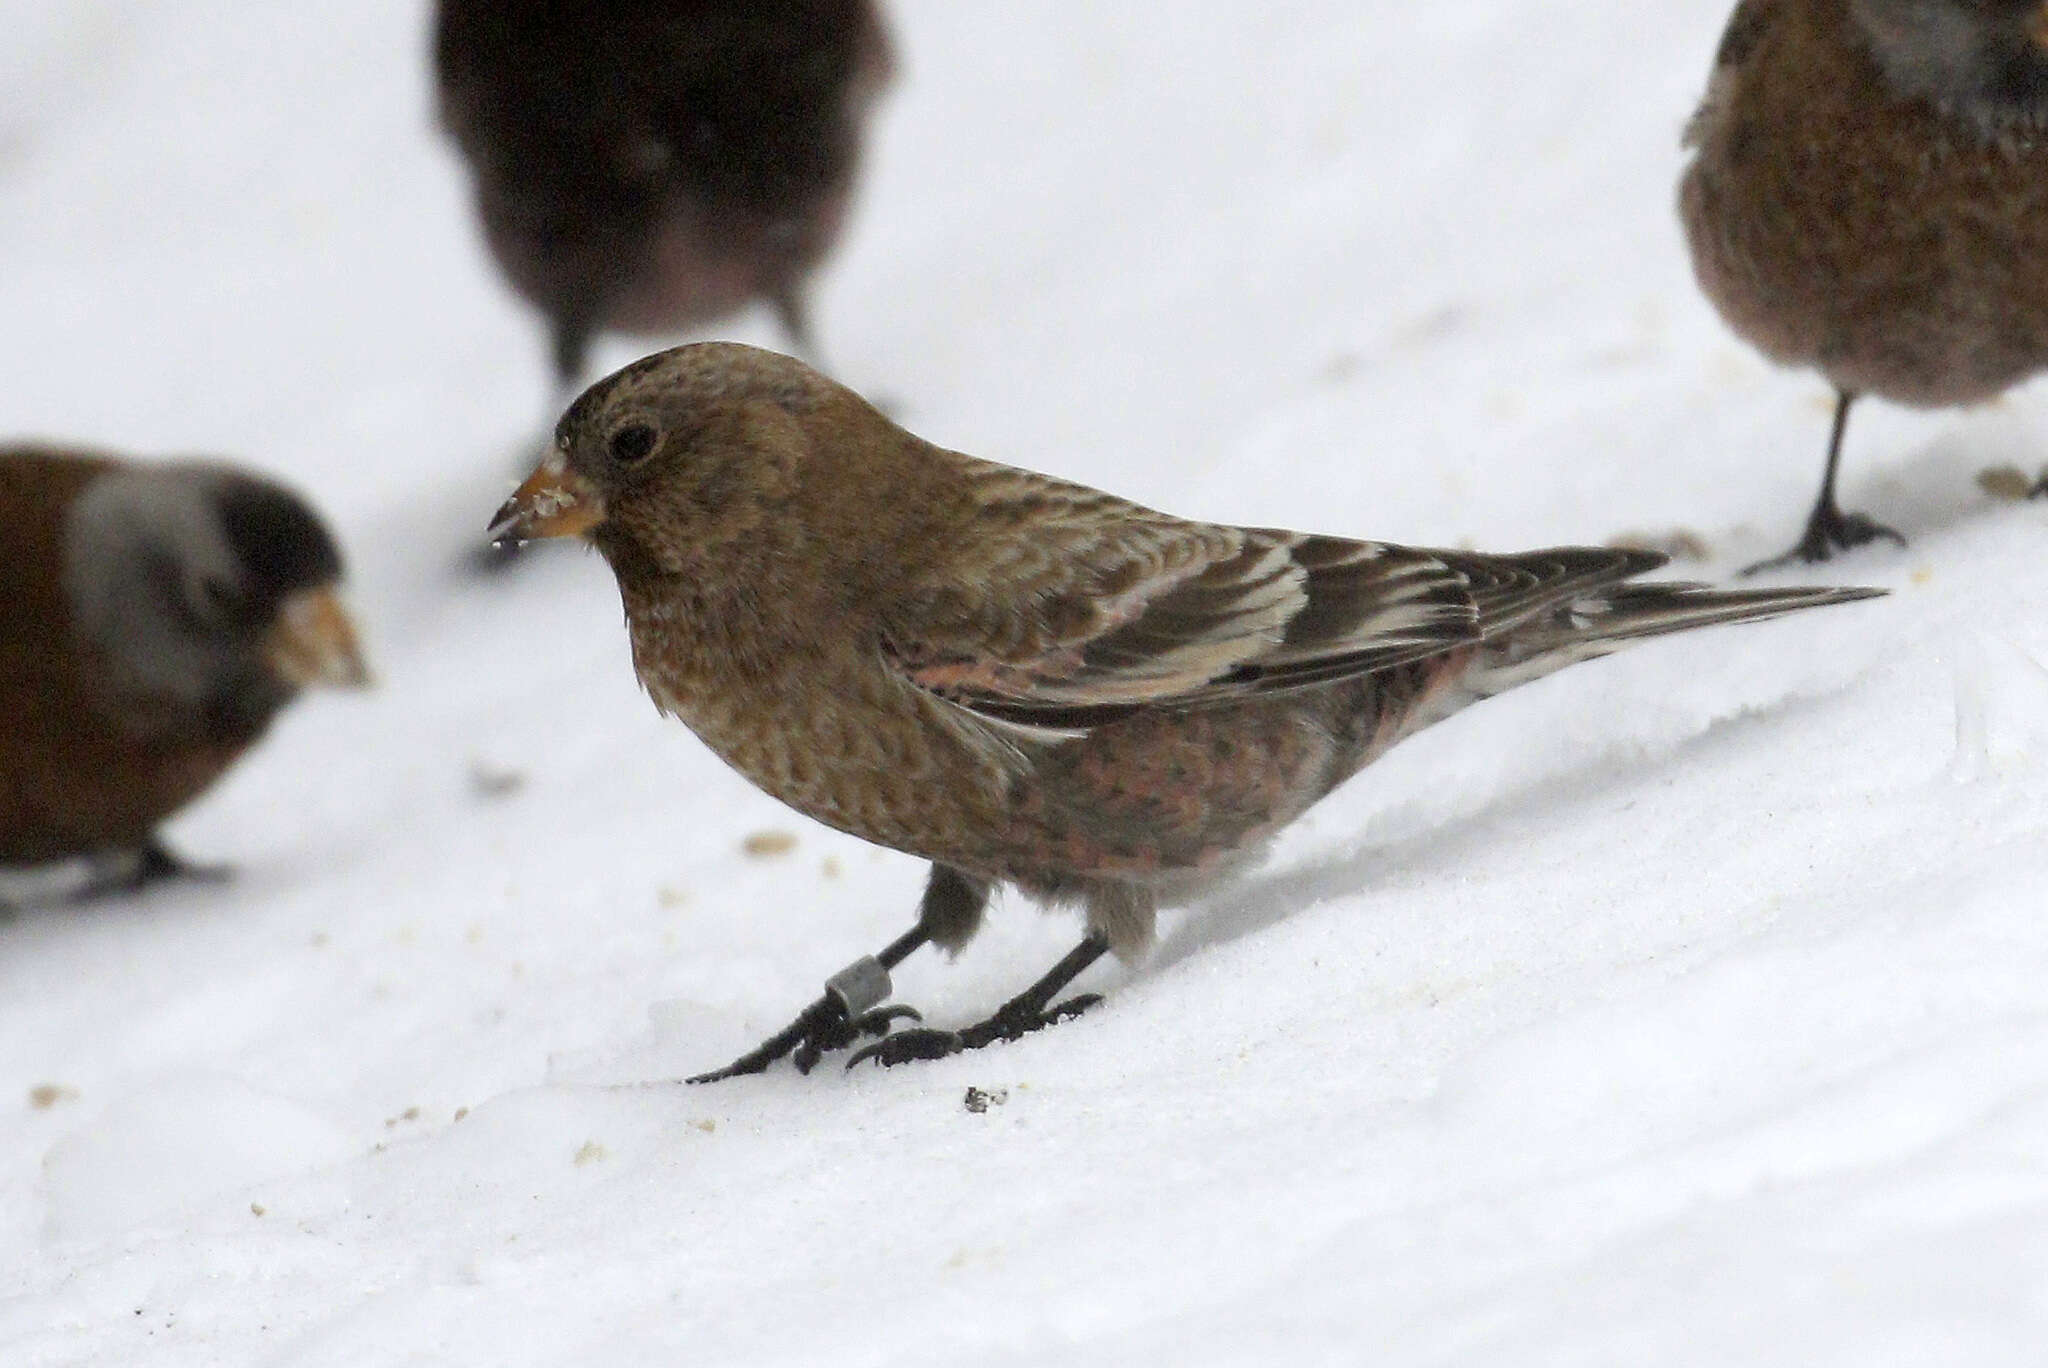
point(1690, 1007)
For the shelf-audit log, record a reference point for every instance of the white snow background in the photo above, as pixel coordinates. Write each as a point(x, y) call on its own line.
point(1689, 1007)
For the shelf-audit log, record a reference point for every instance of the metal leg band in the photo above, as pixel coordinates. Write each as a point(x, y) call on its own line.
point(860, 986)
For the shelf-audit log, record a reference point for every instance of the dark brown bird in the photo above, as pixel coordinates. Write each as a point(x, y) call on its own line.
point(1023, 680)
point(645, 166)
point(1869, 197)
point(153, 619)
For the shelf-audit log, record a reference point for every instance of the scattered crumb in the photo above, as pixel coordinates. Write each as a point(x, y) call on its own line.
point(318, 939)
point(767, 845)
point(258, 1209)
point(492, 782)
point(47, 1095)
point(409, 1114)
point(706, 1126)
point(979, 1100)
point(1679, 543)
point(830, 867)
point(474, 934)
point(668, 895)
point(2006, 482)
point(1922, 575)
point(461, 1112)
point(591, 1153)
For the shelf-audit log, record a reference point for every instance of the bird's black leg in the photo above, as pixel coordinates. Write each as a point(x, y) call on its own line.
point(794, 314)
point(150, 863)
point(1828, 528)
point(852, 1004)
point(1027, 1012)
point(569, 349)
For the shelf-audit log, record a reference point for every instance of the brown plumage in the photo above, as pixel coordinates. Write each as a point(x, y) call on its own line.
point(652, 165)
point(1869, 197)
point(153, 619)
point(1024, 680)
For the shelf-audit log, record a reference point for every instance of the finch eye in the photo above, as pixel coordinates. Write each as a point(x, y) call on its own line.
point(633, 442)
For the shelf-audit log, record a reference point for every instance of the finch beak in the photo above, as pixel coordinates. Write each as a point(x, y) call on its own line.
point(2037, 27)
point(314, 642)
point(554, 502)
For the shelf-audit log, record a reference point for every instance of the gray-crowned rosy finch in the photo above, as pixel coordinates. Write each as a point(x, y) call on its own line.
point(1868, 196)
point(153, 619)
point(1020, 679)
point(651, 165)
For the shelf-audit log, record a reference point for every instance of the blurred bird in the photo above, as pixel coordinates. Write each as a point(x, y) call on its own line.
point(651, 165)
point(1023, 680)
point(1869, 197)
point(153, 619)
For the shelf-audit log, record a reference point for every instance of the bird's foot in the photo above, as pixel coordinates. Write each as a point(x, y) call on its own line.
point(820, 1028)
point(853, 1005)
point(1017, 1018)
point(1828, 531)
point(152, 863)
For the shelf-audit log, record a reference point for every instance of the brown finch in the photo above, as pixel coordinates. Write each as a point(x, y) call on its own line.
point(1868, 196)
point(153, 620)
point(650, 165)
point(1020, 679)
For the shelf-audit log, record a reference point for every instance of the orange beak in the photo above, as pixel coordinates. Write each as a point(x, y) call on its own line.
point(313, 643)
point(554, 502)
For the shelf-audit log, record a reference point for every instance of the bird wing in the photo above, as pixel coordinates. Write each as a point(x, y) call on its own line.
point(1067, 607)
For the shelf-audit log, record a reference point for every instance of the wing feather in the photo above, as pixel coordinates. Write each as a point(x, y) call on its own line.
point(1081, 608)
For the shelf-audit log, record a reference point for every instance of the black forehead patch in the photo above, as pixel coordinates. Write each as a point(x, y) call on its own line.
point(279, 541)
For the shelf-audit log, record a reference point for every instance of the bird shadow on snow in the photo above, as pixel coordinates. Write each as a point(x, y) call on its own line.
point(1445, 843)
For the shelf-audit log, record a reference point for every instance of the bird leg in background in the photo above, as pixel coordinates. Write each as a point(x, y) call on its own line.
point(1829, 529)
point(851, 1005)
point(153, 862)
point(1027, 1012)
point(570, 351)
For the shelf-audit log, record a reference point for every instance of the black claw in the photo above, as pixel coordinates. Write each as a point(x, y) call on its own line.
point(1830, 530)
point(1014, 1021)
point(822, 1028)
point(153, 863)
point(906, 1046)
point(1072, 1007)
point(883, 1019)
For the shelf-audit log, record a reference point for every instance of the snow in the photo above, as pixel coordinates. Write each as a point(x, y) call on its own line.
point(1687, 1007)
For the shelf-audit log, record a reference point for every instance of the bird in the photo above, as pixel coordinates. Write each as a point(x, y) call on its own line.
point(154, 618)
point(1022, 680)
point(646, 166)
point(1868, 196)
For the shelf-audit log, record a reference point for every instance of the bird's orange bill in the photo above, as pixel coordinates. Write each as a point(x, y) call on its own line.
point(313, 642)
point(554, 502)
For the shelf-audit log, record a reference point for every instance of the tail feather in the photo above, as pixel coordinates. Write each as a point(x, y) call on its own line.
point(1623, 613)
point(1614, 616)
